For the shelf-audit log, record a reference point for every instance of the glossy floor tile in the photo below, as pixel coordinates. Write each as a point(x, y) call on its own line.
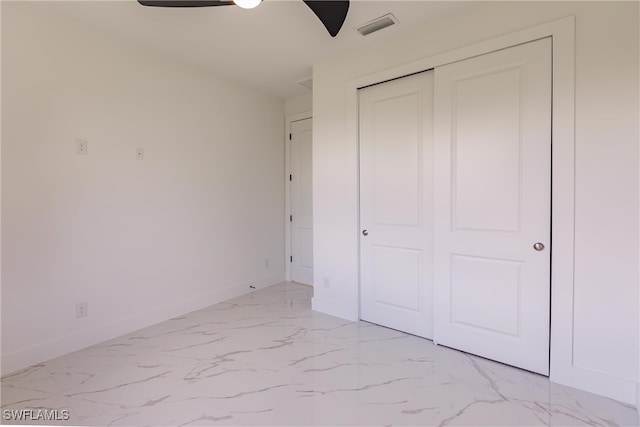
point(267, 359)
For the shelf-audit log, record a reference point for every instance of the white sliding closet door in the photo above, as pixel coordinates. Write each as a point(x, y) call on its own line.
point(396, 149)
point(493, 206)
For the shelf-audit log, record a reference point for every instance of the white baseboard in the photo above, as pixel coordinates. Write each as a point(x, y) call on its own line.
point(616, 388)
point(334, 308)
point(56, 347)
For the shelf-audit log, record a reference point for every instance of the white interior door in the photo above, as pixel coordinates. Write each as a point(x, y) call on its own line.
point(492, 205)
point(396, 149)
point(301, 203)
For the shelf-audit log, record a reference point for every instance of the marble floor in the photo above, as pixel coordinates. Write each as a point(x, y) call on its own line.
point(266, 359)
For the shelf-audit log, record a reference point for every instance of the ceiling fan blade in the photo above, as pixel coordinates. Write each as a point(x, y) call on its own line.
point(332, 13)
point(185, 3)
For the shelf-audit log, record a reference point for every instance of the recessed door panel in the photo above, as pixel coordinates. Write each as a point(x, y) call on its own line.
point(474, 283)
point(486, 150)
point(392, 266)
point(397, 163)
point(305, 236)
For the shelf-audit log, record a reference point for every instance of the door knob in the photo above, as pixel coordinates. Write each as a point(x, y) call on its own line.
point(365, 233)
point(538, 246)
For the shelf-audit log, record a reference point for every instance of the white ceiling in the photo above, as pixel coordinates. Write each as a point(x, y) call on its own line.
point(269, 48)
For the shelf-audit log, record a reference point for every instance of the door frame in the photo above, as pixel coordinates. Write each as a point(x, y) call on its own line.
point(287, 185)
point(562, 32)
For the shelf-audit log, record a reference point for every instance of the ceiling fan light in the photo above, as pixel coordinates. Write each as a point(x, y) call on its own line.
point(247, 4)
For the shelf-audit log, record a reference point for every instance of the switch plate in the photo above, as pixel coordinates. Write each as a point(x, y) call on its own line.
point(81, 146)
point(266, 263)
point(140, 153)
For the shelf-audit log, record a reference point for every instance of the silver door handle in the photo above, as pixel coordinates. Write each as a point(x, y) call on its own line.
point(365, 233)
point(538, 246)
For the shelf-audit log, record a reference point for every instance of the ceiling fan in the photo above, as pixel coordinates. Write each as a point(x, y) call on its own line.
point(331, 13)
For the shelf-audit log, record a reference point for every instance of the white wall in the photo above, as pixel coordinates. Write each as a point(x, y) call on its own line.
point(605, 335)
point(140, 241)
point(298, 104)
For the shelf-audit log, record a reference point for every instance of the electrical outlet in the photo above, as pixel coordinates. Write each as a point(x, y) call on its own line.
point(266, 263)
point(140, 153)
point(327, 283)
point(82, 309)
point(81, 146)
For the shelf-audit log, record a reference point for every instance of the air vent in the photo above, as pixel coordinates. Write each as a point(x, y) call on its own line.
point(308, 82)
point(377, 24)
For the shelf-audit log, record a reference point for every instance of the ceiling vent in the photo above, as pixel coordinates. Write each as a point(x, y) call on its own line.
point(308, 82)
point(377, 24)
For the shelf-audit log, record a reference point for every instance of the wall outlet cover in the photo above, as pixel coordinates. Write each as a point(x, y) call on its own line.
point(82, 309)
point(81, 146)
